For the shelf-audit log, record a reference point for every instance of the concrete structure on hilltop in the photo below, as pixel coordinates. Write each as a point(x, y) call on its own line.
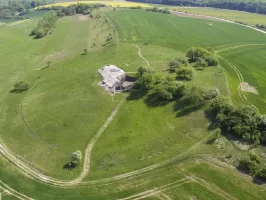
point(114, 79)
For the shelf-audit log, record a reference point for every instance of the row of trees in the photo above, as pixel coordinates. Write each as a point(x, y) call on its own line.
point(79, 8)
point(242, 122)
point(45, 25)
point(253, 6)
point(15, 9)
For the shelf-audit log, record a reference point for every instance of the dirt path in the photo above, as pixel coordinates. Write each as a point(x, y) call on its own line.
point(30, 171)
point(191, 15)
point(141, 55)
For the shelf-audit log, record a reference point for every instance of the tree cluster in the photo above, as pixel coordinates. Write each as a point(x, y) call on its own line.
point(253, 6)
point(202, 57)
point(45, 24)
point(253, 165)
point(155, 9)
point(175, 64)
point(16, 9)
point(242, 122)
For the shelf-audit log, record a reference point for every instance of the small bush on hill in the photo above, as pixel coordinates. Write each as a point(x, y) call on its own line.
point(184, 73)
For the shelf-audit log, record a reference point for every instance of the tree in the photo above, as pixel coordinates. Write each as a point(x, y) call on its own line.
point(143, 70)
point(193, 96)
point(76, 157)
point(146, 81)
point(85, 51)
point(185, 73)
point(21, 86)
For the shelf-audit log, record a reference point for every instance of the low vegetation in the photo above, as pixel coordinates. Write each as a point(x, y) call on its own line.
point(45, 25)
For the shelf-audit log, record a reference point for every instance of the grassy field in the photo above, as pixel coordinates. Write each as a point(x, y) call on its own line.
point(65, 107)
point(250, 63)
point(248, 18)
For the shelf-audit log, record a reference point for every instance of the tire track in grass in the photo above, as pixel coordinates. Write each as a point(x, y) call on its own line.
point(34, 134)
point(212, 187)
point(240, 78)
point(29, 170)
point(13, 192)
point(158, 190)
point(238, 46)
point(139, 52)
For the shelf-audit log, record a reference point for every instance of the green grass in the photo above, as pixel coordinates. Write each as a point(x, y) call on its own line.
point(64, 106)
point(250, 63)
point(249, 18)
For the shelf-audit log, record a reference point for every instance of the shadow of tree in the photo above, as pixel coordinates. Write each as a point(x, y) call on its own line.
point(136, 94)
point(17, 91)
point(153, 101)
point(69, 166)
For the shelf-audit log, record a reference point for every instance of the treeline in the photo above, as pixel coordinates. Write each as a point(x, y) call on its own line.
point(261, 27)
point(45, 25)
point(241, 5)
point(79, 8)
point(16, 9)
point(244, 122)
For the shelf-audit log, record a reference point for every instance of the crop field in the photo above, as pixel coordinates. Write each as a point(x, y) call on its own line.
point(248, 18)
point(132, 147)
point(122, 4)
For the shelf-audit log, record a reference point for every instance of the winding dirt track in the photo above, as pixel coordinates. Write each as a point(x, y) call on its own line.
point(13, 192)
point(141, 55)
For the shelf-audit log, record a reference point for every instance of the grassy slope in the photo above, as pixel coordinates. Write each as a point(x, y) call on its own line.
point(249, 18)
point(59, 106)
point(71, 77)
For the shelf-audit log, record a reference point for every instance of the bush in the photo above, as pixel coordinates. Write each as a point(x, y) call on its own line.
point(184, 73)
point(202, 56)
point(76, 157)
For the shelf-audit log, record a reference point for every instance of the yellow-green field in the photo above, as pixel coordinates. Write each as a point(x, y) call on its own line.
point(248, 18)
point(107, 3)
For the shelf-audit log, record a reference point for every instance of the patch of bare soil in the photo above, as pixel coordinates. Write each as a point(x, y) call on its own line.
point(183, 14)
point(244, 86)
point(84, 17)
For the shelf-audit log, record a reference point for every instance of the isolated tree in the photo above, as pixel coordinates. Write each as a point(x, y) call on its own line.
point(21, 86)
point(76, 157)
point(85, 51)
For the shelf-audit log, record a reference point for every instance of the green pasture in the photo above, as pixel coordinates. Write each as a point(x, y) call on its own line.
point(233, 15)
point(64, 106)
